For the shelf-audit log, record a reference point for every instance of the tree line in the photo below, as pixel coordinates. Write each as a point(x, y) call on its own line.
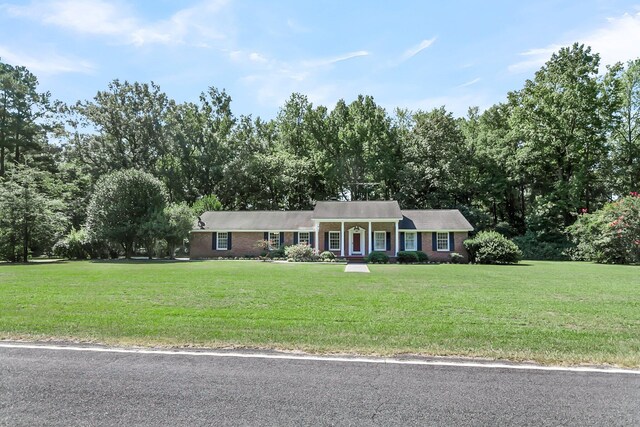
point(563, 145)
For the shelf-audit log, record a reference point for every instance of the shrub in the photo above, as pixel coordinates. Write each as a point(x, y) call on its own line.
point(491, 247)
point(407, 257)
point(456, 258)
point(611, 234)
point(161, 249)
point(378, 258)
point(74, 245)
point(422, 257)
point(327, 256)
point(277, 253)
point(300, 252)
point(534, 247)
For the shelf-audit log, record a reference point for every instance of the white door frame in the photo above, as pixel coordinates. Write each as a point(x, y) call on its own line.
point(362, 235)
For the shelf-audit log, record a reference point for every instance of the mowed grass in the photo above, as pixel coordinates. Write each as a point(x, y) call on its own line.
point(568, 313)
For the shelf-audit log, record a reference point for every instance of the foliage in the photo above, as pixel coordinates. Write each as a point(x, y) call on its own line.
point(25, 115)
point(407, 257)
point(611, 234)
point(533, 247)
point(327, 256)
point(29, 220)
point(178, 222)
point(205, 204)
point(300, 253)
point(75, 245)
point(278, 253)
point(625, 139)
point(491, 247)
point(456, 258)
point(377, 257)
point(422, 257)
point(125, 209)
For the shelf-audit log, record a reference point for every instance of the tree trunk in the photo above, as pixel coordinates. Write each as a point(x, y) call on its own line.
point(2, 154)
point(25, 241)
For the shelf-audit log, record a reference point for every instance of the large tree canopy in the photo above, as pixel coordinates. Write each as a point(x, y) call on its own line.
point(123, 205)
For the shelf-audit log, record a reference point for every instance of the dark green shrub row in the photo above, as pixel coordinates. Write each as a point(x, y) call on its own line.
point(378, 258)
point(409, 257)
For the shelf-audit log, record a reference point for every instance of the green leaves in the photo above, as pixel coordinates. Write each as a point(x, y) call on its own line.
point(124, 208)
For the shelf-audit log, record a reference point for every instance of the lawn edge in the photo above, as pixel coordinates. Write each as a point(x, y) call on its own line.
point(305, 351)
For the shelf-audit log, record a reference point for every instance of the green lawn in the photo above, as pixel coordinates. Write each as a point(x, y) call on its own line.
point(544, 311)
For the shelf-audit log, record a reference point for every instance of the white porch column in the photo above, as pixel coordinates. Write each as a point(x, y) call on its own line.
point(317, 242)
point(342, 238)
point(368, 237)
point(397, 237)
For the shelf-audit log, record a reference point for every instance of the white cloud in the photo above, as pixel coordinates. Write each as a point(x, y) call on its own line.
point(469, 83)
point(46, 64)
point(275, 80)
point(322, 62)
point(117, 20)
point(413, 51)
point(617, 40)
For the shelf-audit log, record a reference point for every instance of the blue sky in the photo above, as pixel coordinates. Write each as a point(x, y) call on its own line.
point(408, 54)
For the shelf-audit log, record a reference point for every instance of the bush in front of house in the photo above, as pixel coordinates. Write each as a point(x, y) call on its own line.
point(277, 253)
point(378, 258)
point(456, 258)
point(422, 257)
point(327, 256)
point(491, 247)
point(300, 253)
point(407, 257)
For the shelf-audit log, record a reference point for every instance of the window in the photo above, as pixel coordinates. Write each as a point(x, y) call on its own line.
point(274, 240)
point(303, 238)
point(410, 242)
point(442, 240)
point(380, 241)
point(334, 240)
point(223, 241)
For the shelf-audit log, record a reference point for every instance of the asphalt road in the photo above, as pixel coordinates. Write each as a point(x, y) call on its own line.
point(53, 387)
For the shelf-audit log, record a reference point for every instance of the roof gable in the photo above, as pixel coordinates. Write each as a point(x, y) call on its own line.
point(357, 210)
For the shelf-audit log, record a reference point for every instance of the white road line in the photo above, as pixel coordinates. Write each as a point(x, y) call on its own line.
point(390, 361)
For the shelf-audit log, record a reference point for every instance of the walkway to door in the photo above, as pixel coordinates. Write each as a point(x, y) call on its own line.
point(356, 268)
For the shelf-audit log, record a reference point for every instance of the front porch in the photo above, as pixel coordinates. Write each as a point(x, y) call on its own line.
point(354, 240)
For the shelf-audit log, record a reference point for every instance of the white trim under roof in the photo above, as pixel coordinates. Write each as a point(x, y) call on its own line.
point(443, 230)
point(356, 219)
point(235, 230)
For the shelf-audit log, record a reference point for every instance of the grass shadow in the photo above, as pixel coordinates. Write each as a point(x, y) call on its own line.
point(143, 261)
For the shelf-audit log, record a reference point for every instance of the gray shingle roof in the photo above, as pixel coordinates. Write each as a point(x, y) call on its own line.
point(256, 220)
point(434, 220)
point(357, 210)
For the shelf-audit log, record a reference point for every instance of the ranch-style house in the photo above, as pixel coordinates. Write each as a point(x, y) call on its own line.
point(348, 229)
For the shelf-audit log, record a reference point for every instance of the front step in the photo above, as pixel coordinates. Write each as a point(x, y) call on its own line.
point(356, 259)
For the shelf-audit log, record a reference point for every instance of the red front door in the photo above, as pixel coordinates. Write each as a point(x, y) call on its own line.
point(356, 242)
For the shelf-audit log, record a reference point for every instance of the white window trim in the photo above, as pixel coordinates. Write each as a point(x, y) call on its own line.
point(438, 233)
point(339, 241)
point(415, 240)
point(218, 247)
point(271, 247)
point(308, 237)
point(376, 248)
